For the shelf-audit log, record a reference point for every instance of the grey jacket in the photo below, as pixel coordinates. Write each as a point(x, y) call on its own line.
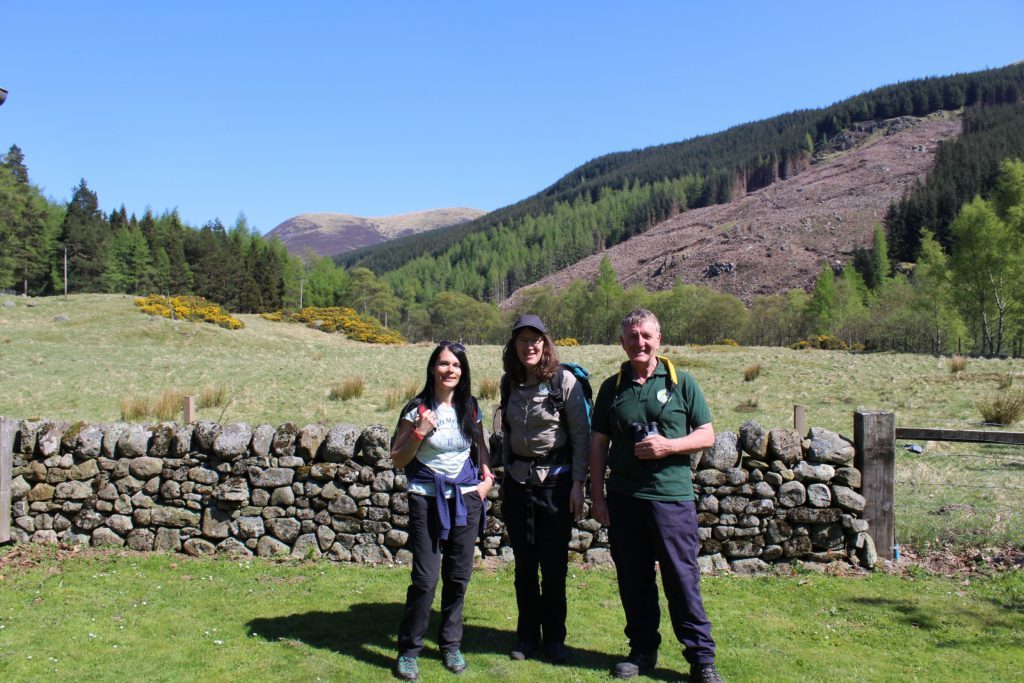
point(534, 429)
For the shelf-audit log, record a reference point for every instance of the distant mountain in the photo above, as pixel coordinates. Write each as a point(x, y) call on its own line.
point(329, 234)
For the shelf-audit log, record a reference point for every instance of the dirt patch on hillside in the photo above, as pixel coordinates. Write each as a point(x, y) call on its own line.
point(777, 238)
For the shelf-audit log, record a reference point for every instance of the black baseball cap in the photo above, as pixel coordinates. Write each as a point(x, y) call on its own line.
point(529, 321)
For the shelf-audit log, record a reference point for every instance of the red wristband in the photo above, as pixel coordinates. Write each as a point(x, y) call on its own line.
point(416, 435)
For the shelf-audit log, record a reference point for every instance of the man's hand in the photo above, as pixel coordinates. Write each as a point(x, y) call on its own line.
point(599, 510)
point(576, 500)
point(653, 447)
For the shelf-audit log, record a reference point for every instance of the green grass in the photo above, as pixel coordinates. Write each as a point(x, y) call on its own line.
point(276, 372)
point(102, 617)
point(273, 372)
point(960, 494)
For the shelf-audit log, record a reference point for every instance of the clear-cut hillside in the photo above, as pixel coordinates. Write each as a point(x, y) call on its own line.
point(327, 234)
point(777, 238)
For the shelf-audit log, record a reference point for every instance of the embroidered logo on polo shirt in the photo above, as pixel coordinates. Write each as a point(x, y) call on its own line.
point(663, 396)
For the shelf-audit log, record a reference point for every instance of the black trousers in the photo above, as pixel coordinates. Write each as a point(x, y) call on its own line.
point(541, 604)
point(451, 559)
point(643, 532)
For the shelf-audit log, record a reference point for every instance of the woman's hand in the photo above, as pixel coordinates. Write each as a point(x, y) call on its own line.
point(485, 485)
point(426, 422)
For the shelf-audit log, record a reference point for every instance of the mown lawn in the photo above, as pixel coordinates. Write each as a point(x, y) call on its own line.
point(126, 617)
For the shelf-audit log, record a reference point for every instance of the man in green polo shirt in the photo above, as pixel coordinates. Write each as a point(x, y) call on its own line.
point(646, 423)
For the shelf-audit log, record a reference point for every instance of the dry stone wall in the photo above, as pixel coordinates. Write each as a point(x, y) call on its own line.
point(318, 491)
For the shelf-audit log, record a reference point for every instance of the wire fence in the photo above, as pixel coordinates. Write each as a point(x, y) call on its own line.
point(960, 494)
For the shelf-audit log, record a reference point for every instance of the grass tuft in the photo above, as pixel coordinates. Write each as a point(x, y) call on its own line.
point(134, 408)
point(1005, 381)
point(350, 387)
point(1003, 409)
point(751, 372)
point(957, 364)
point(489, 388)
point(213, 396)
point(169, 405)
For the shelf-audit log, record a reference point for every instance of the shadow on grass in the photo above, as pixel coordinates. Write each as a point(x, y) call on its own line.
point(367, 632)
point(975, 628)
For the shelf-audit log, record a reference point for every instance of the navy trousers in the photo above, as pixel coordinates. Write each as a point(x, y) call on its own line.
point(542, 605)
point(643, 532)
point(452, 559)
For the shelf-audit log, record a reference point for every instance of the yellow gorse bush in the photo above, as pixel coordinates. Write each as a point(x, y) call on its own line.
point(188, 308)
point(364, 328)
point(567, 341)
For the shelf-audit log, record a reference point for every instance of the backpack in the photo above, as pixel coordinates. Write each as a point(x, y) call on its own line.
point(556, 396)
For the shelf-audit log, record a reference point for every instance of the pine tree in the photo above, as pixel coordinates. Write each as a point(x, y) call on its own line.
point(15, 161)
point(26, 233)
point(84, 234)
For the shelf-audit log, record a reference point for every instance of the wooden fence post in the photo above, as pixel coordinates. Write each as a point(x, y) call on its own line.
point(6, 468)
point(874, 441)
point(188, 413)
point(800, 420)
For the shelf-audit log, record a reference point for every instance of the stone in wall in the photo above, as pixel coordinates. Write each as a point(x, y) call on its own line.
point(828, 448)
point(723, 455)
point(753, 439)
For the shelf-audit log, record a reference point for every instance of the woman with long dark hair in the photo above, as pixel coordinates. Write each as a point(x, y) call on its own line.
point(545, 448)
point(438, 433)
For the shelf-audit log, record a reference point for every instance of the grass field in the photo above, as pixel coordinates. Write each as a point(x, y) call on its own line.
point(106, 352)
point(104, 617)
point(81, 369)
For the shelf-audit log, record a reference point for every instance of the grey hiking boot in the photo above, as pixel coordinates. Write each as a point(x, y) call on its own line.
point(454, 661)
point(407, 668)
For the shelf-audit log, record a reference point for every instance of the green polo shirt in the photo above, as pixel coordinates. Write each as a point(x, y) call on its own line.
point(678, 413)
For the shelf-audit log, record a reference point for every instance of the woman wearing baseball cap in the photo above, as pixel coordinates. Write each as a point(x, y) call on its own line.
point(545, 447)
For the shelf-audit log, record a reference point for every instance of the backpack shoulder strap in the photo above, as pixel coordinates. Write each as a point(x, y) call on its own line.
point(556, 395)
point(504, 387)
point(622, 371)
point(414, 403)
point(673, 378)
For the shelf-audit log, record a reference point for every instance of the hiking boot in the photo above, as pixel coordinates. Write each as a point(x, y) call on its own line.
point(556, 653)
point(636, 664)
point(704, 673)
point(407, 668)
point(524, 649)
point(454, 661)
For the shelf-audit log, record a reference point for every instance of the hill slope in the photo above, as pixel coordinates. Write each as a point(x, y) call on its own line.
point(617, 196)
point(776, 238)
point(328, 234)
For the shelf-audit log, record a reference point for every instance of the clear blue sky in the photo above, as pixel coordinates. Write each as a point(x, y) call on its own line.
point(377, 108)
